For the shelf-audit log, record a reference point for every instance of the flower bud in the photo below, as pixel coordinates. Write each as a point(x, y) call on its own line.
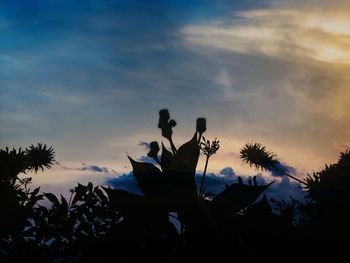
point(164, 116)
point(201, 125)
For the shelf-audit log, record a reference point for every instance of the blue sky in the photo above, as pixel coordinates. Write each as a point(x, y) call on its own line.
point(88, 77)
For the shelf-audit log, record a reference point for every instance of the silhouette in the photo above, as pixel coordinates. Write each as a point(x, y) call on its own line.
point(100, 223)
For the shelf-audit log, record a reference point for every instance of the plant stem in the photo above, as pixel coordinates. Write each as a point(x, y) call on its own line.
point(173, 148)
point(201, 189)
point(70, 198)
point(199, 138)
point(290, 176)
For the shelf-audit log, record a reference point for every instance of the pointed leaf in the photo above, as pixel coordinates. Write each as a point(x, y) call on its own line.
point(64, 204)
point(35, 191)
point(237, 196)
point(259, 209)
point(188, 154)
point(90, 187)
point(149, 178)
point(128, 205)
point(79, 192)
point(52, 198)
point(101, 195)
point(182, 176)
point(166, 159)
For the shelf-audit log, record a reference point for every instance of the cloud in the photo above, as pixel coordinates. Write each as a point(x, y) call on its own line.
point(91, 168)
point(342, 146)
point(284, 189)
point(284, 33)
point(95, 168)
point(283, 167)
point(125, 182)
point(281, 71)
point(144, 144)
point(227, 172)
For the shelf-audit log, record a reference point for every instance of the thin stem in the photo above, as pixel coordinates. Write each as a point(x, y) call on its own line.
point(201, 189)
point(173, 148)
point(199, 138)
point(70, 198)
point(290, 176)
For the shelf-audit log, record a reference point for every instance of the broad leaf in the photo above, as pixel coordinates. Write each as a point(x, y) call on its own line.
point(35, 191)
point(167, 159)
point(187, 155)
point(182, 175)
point(237, 196)
point(64, 204)
point(52, 198)
point(149, 178)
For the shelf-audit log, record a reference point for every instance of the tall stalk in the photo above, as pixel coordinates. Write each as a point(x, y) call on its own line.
point(290, 176)
point(172, 145)
point(201, 189)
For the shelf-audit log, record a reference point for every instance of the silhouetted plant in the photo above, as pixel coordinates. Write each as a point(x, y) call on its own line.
point(15, 197)
point(97, 222)
point(208, 148)
point(328, 189)
point(255, 154)
point(17, 200)
point(173, 189)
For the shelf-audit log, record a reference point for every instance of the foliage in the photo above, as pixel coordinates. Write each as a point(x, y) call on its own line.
point(98, 222)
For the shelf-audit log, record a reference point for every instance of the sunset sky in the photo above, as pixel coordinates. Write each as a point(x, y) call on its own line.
point(89, 77)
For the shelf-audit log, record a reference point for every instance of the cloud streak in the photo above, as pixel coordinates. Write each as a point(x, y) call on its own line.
point(89, 168)
point(280, 33)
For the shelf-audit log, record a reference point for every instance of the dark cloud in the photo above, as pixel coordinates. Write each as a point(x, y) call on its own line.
point(95, 168)
point(144, 144)
point(215, 184)
point(227, 171)
point(282, 167)
point(91, 168)
point(284, 189)
point(125, 182)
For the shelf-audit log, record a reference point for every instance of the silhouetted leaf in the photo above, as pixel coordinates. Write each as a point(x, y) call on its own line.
point(35, 191)
point(101, 195)
point(187, 155)
point(150, 179)
point(80, 191)
point(182, 174)
point(89, 187)
point(261, 208)
point(237, 196)
point(36, 198)
point(52, 198)
point(129, 205)
point(64, 204)
point(167, 159)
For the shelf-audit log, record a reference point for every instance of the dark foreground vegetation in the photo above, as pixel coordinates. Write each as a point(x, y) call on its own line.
point(100, 223)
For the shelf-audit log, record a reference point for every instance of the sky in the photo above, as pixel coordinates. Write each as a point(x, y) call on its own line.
point(89, 77)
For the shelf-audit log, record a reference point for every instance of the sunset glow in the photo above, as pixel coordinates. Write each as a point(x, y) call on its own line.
point(90, 78)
